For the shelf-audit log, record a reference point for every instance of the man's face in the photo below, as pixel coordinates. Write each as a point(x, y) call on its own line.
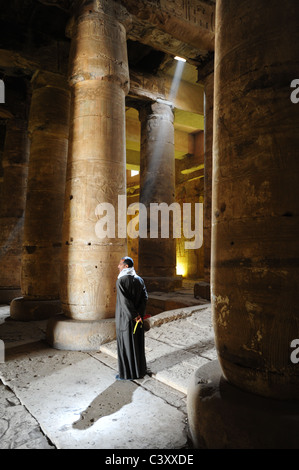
point(121, 265)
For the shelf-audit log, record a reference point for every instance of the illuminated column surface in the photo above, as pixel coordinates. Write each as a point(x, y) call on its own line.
point(202, 289)
point(209, 100)
point(157, 256)
point(96, 174)
point(48, 131)
point(252, 401)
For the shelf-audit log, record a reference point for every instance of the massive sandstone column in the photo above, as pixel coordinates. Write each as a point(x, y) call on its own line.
point(49, 129)
point(12, 207)
point(157, 256)
point(96, 175)
point(255, 250)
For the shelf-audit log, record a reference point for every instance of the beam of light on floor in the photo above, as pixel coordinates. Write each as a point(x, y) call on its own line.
point(110, 401)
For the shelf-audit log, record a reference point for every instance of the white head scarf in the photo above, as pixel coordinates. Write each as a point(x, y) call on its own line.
point(127, 272)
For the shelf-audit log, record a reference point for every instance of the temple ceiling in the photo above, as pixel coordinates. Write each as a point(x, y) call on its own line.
point(34, 35)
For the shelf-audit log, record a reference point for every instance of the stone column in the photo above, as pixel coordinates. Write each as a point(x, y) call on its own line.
point(255, 250)
point(202, 289)
point(49, 129)
point(157, 256)
point(209, 109)
point(12, 207)
point(96, 175)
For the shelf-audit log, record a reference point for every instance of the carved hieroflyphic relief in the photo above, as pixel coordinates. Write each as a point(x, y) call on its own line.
point(190, 10)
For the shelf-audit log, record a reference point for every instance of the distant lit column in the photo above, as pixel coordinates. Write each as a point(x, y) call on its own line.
point(157, 256)
point(49, 129)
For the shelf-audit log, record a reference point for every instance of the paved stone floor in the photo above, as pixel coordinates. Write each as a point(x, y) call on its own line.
point(53, 399)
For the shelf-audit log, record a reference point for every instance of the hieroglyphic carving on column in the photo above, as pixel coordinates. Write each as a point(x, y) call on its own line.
point(255, 205)
point(96, 173)
point(98, 33)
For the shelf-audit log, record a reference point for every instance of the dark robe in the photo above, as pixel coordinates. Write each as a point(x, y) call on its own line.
point(130, 302)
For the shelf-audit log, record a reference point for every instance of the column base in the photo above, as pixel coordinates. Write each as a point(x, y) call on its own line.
point(222, 416)
point(162, 284)
point(7, 295)
point(22, 309)
point(203, 290)
point(75, 335)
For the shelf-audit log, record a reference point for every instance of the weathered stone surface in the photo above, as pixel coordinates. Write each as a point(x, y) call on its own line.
point(162, 283)
point(208, 174)
point(74, 398)
point(7, 295)
point(191, 20)
point(177, 344)
point(189, 97)
point(221, 416)
point(157, 256)
point(15, 171)
point(18, 428)
point(48, 126)
point(22, 309)
point(168, 314)
point(75, 335)
point(96, 166)
point(255, 204)
point(102, 405)
point(203, 289)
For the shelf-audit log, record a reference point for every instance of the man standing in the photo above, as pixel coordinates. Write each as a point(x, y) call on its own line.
point(130, 309)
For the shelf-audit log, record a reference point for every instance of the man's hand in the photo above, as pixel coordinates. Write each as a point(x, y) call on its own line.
point(137, 320)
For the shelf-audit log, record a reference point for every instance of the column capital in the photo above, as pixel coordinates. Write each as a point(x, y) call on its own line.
point(160, 108)
point(83, 8)
point(99, 48)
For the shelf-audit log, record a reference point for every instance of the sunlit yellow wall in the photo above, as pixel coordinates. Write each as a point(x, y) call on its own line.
point(190, 263)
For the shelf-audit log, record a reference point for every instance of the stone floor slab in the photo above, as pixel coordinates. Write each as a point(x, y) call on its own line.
point(179, 375)
point(70, 399)
point(18, 428)
point(82, 406)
